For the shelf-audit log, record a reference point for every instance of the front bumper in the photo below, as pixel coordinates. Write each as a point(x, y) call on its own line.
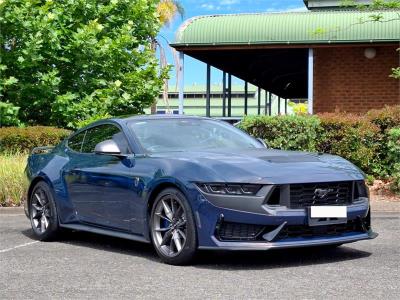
point(317, 241)
point(209, 216)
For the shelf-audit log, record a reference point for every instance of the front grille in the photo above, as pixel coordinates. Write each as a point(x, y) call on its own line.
point(304, 194)
point(302, 231)
point(229, 231)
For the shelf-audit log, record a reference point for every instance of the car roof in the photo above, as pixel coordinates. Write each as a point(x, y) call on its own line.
point(155, 117)
point(124, 119)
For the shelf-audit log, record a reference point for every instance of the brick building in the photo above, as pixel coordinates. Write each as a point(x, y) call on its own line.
point(337, 60)
point(345, 80)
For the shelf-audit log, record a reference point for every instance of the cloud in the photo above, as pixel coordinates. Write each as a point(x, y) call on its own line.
point(294, 9)
point(210, 6)
point(220, 5)
point(289, 9)
point(229, 2)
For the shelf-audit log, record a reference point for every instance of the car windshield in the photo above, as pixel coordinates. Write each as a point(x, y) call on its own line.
point(164, 135)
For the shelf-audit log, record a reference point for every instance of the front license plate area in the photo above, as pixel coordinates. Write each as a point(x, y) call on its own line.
point(326, 215)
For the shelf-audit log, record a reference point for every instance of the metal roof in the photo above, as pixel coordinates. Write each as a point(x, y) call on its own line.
point(290, 28)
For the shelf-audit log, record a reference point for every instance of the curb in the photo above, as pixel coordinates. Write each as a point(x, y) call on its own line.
point(12, 210)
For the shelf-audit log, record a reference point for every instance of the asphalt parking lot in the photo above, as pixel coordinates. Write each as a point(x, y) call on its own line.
point(83, 265)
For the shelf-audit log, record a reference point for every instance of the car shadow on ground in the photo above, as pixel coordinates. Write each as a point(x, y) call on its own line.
point(103, 242)
point(227, 260)
point(245, 260)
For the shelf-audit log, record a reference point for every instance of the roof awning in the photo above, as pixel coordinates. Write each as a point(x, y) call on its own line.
point(271, 50)
point(280, 71)
point(290, 29)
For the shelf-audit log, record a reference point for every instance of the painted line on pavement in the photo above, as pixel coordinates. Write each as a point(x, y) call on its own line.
point(18, 246)
point(11, 215)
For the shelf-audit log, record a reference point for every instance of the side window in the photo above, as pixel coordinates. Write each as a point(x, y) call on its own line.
point(75, 143)
point(104, 132)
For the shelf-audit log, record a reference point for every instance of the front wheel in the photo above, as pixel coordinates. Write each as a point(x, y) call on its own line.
point(43, 212)
point(172, 228)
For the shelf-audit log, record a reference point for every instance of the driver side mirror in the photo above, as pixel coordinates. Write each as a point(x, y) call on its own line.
point(108, 147)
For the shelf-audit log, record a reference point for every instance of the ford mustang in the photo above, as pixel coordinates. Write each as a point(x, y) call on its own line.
point(189, 183)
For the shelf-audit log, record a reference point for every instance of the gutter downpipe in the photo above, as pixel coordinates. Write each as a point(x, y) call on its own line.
point(310, 81)
point(181, 81)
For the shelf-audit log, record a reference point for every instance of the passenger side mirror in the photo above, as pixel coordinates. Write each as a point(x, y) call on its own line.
point(108, 147)
point(262, 142)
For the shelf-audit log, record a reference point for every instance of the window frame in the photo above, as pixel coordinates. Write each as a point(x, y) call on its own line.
point(74, 135)
point(85, 130)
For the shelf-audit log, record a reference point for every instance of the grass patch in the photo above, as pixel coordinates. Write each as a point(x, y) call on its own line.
point(13, 182)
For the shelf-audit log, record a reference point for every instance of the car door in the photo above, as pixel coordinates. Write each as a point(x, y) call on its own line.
point(101, 187)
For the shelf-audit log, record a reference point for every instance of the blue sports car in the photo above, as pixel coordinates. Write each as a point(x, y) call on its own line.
point(188, 183)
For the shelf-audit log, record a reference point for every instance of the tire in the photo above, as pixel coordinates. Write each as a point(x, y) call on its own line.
point(169, 229)
point(43, 213)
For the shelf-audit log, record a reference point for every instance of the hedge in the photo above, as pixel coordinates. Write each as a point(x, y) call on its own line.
point(22, 140)
point(285, 132)
point(364, 140)
point(394, 157)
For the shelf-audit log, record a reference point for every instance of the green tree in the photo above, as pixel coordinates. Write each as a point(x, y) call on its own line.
point(66, 61)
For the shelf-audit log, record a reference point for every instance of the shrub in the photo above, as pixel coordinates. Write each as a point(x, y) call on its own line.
point(13, 182)
point(385, 118)
point(284, 132)
point(14, 139)
point(394, 157)
point(351, 137)
point(363, 140)
point(299, 108)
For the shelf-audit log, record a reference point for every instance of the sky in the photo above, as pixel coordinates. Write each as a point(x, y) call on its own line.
point(195, 71)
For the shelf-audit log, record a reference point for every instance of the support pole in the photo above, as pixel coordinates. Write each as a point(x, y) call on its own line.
point(270, 104)
point(259, 101)
point(266, 103)
point(229, 95)
point(181, 81)
point(246, 88)
point(279, 105)
point(224, 94)
point(285, 106)
point(310, 80)
point(208, 92)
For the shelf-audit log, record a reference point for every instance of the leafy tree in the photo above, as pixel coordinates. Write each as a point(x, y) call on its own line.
point(9, 115)
point(168, 10)
point(66, 61)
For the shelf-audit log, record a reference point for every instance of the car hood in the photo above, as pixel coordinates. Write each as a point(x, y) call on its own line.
point(265, 166)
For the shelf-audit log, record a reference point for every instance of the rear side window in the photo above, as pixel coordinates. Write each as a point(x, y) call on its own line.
point(104, 132)
point(75, 143)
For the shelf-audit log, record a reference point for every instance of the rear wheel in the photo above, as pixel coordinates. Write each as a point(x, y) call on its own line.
point(172, 228)
point(43, 212)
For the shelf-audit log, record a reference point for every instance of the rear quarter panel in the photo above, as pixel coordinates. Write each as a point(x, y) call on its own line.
point(48, 167)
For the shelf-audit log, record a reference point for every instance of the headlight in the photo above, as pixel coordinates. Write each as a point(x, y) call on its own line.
point(229, 188)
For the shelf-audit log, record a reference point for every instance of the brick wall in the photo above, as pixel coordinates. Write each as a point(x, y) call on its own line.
point(345, 80)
